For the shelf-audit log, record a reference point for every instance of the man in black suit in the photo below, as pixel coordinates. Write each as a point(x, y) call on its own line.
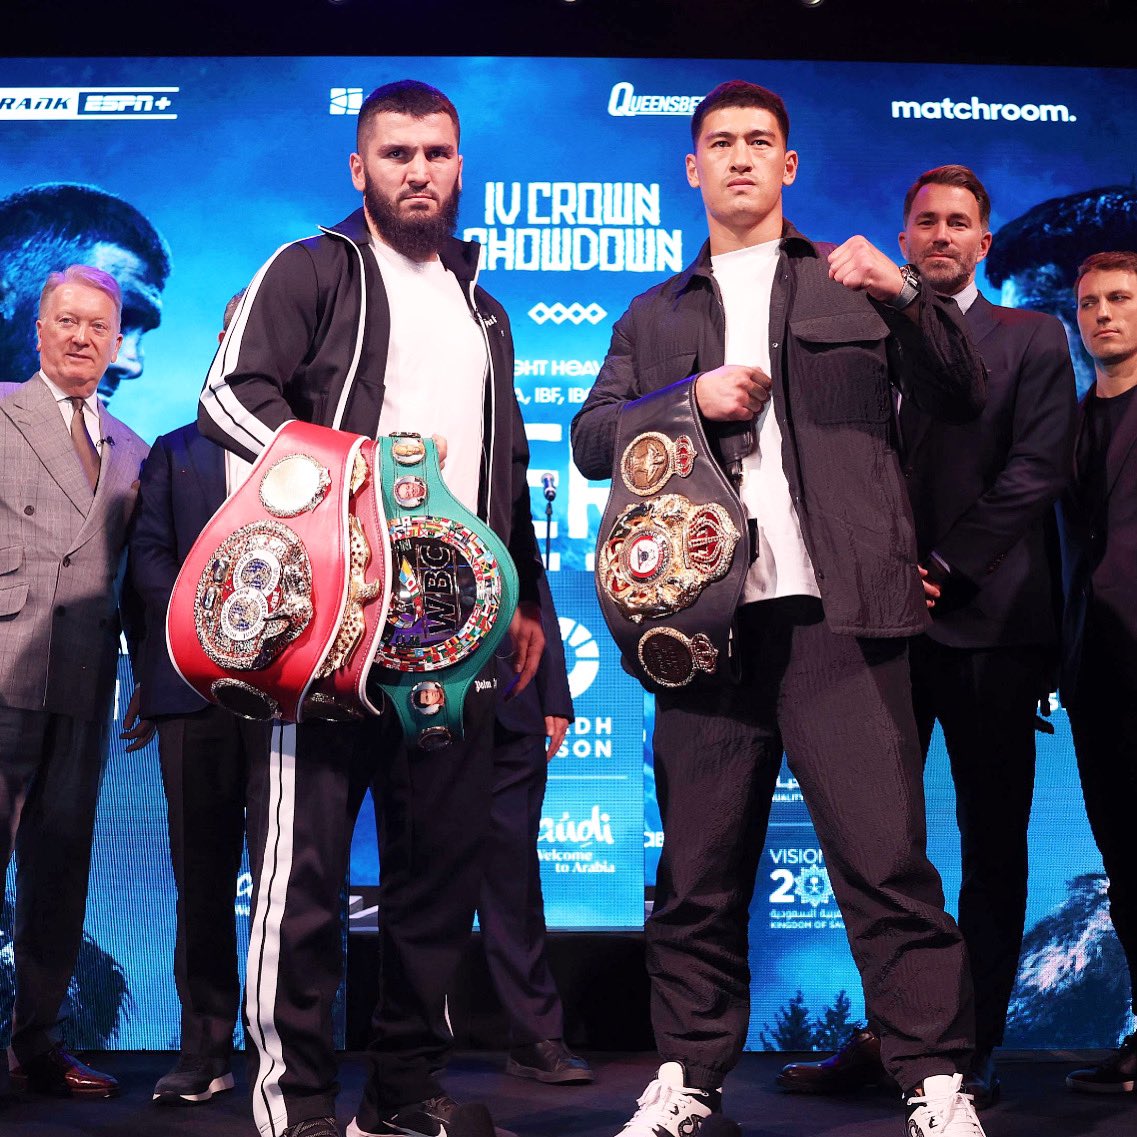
point(528, 732)
point(511, 910)
point(210, 761)
point(982, 495)
point(1099, 666)
point(806, 342)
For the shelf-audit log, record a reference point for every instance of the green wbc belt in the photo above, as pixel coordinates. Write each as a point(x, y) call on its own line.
point(454, 592)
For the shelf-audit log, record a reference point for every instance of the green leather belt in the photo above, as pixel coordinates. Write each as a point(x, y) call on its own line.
point(453, 596)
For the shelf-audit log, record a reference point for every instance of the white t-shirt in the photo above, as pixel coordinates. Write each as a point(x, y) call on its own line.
point(782, 568)
point(436, 365)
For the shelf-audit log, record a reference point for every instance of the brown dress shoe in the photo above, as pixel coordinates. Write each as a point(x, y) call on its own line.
point(856, 1064)
point(60, 1074)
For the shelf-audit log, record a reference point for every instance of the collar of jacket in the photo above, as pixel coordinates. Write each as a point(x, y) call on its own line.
point(460, 257)
point(699, 270)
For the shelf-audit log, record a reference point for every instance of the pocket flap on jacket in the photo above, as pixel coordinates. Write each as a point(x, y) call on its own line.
point(843, 327)
point(11, 558)
point(12, 599)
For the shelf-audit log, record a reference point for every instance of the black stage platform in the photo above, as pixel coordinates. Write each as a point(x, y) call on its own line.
point(1035, 1104)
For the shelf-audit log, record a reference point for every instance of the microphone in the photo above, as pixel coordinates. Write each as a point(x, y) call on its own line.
point(108, 441)
point(736, 441)
point(549, 485)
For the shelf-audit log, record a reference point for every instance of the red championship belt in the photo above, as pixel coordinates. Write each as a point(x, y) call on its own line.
point(279, 606)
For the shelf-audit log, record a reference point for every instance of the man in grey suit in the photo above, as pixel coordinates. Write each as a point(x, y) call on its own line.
point(66, 501)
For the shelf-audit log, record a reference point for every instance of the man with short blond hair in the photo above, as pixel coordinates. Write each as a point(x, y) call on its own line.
point(67, 498)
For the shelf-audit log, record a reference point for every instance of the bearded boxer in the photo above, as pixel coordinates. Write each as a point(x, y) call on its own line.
point(377, 325)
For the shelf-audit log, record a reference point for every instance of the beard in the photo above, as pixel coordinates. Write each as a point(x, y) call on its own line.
point(947, 277)
point(418, 237)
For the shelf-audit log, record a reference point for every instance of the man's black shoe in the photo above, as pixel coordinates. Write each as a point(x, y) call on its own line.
point(856, 1064)
point(313, 1127)
point(548, 1061)
point(194, 1079)
point(438, 1117)
point(981, 1081)
point(1116, 1075)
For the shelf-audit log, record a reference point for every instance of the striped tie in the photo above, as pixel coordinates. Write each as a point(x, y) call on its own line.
point(84, 447)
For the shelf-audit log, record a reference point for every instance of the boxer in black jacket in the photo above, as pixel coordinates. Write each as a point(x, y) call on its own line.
point(806, 342)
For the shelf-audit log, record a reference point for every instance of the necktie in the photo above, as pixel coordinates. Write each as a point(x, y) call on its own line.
point(84, 447)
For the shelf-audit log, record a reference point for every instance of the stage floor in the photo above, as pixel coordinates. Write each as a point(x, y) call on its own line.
point(1035, 1102)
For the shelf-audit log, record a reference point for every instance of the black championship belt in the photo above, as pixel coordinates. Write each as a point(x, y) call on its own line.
point(673, 550)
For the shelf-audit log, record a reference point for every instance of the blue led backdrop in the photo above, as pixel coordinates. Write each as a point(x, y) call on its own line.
point(574, 184)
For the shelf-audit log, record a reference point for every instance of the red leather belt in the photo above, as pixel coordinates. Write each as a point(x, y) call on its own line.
point(280, 604)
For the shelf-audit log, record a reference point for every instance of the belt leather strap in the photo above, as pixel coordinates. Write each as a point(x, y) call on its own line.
point(454, 593)
point(673, 550)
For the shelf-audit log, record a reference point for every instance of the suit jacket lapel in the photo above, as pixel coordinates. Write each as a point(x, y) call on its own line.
point(980, 319)
point(36, 415)
point(208, 462)
point(104, 491)
point(1121, 445)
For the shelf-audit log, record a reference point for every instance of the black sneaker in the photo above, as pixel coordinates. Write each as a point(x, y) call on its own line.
point(548, 1061)
point(437, 1117)
point(193, 1080)
point(1116, 1075)
point(313, 1127)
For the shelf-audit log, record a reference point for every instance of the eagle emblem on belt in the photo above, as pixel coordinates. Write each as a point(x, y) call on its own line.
point(659, 555)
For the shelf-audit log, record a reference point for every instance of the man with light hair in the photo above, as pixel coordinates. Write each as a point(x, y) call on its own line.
point(67, 499)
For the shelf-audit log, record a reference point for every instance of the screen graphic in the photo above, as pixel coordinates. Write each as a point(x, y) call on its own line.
point(184, 175)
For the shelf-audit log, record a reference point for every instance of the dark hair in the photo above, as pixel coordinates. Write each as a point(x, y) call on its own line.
point(405, 96)
point(1063, 232)
point(740, 93)
point(1118, 261)
point(69, 213)
point(963, 177)
point(231, 309)
point(43, 229)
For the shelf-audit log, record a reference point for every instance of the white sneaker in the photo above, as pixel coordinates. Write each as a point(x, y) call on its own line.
point(942, 1111)
point(668, 1108)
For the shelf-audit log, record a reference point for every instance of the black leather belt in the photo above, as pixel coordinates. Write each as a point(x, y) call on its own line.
point(672, 555)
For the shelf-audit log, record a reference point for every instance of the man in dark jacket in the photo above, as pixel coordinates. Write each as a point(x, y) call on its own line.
point(377, 326)
point(1099, 632)
point(982, 495)
point(766, 319)
point(212, 761)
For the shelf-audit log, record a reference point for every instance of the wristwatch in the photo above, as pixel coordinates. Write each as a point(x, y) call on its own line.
point(910, 290)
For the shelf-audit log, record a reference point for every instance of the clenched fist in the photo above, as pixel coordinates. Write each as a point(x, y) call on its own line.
point(859, 265)
point(732, 393)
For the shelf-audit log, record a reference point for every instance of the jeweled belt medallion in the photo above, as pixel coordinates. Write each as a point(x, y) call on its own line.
point(254, 597)
point(659, 555)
